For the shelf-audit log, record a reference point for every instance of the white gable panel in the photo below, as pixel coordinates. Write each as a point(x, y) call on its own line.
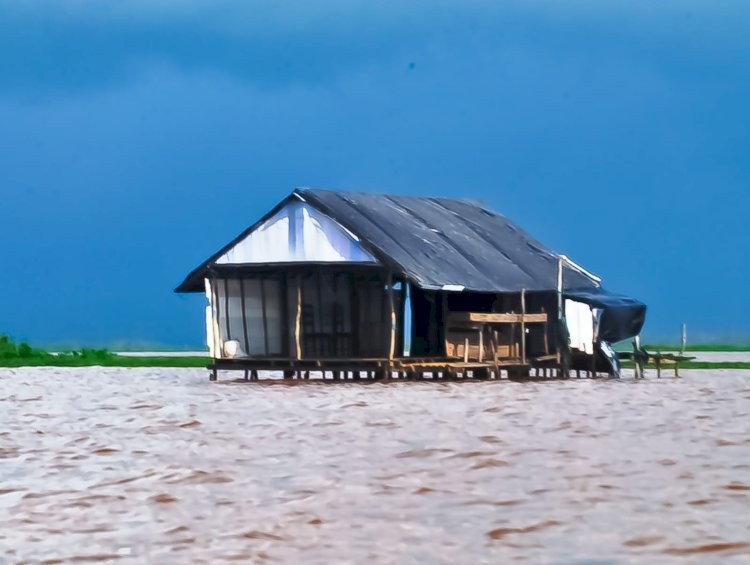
point(297, 233)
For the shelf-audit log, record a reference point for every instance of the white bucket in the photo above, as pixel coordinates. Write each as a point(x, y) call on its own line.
point(231, 347)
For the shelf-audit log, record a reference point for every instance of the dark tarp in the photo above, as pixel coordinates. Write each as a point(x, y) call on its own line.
point(442, 241)
point(622, 317)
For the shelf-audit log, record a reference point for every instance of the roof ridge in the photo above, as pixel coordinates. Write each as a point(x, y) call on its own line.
point(307, 189)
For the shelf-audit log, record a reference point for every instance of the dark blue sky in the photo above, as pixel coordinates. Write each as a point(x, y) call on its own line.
point(136, 140)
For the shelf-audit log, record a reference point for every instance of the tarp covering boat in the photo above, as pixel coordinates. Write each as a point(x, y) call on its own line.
point(621, 317)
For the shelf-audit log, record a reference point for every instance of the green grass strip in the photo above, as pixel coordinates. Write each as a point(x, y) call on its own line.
point(109, 361)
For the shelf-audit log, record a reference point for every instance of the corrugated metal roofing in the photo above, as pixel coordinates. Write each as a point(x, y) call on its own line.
point(439, 242)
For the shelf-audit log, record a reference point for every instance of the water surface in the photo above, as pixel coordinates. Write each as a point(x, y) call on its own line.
point(161, 466)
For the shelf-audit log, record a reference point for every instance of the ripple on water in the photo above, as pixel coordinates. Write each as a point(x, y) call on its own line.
point(728, 548)
point(500, 533)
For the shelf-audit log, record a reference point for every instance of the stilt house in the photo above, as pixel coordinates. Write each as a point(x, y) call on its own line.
point(378, 285)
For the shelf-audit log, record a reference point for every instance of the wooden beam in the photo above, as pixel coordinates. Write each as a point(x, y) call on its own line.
point(497, 318)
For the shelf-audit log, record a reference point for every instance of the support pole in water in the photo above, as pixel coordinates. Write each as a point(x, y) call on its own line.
point(563, 350)
point(594, 339)
point(683, 341)
point(637, 357)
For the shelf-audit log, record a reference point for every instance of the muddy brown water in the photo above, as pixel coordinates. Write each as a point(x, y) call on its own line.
point(161, 466)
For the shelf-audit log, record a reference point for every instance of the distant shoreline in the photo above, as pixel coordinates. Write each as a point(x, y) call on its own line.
point(112, 360)
point(115, 360)
point(14, 355)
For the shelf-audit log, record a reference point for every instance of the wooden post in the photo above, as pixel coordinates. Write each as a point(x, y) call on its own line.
point(637, 357)
point(481, 343)
point(298, 318)
point(559, 308)
point(444, 317)
point(392, 309)
point(493, 347)
point(523, 326)
point(218, 345)
point(594, 339)
point(466, 350)
point(402, 310)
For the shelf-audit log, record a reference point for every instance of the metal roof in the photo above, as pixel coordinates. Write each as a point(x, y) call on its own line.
point(438, 243)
